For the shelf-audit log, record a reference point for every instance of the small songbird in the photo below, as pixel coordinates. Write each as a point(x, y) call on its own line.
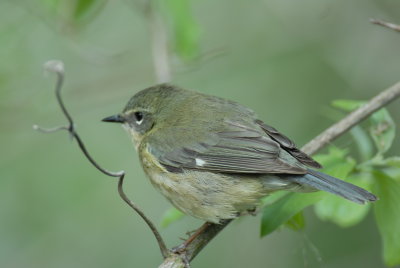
point(213, 158)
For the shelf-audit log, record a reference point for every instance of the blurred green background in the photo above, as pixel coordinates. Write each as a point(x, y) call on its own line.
point(286, 59)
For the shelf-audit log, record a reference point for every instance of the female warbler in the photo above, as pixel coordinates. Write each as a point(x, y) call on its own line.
point(213, 158)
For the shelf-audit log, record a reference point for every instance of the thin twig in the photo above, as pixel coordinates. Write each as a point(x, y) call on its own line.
point(313, 146)
point(58, 68)
point(163, 248)
point(49, 130)
point(386, 24)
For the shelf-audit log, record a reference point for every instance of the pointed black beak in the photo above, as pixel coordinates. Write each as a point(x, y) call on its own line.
point(114, 119)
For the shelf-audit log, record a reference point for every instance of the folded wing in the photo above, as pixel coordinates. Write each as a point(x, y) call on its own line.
point(235, 149)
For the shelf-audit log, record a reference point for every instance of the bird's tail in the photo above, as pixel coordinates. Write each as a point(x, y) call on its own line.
point(324, 182)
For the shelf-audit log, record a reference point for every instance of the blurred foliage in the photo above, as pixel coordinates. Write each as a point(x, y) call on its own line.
point(75, 13)
point(171, 215)
point(185, 29)
point(387, 214)
point(285, 59)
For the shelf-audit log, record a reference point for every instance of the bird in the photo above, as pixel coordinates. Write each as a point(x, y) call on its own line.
point(213, 158)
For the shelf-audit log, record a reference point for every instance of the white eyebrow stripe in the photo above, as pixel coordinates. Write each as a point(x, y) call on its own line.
point(200, 162)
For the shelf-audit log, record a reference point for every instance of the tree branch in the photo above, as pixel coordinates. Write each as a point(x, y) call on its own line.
point(327, 136)
point(389, 25)
point(352, 119)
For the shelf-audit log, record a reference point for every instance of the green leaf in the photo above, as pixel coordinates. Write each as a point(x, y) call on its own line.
point(382, 130)
point(273, 197)
point(285, 208)
point(363, 142)
point(335, 162)
point(392, 161)
point(171, 215)
point(347, 105)
point(387, 214)
point(333, 157)
point(74, 12)
point(84, 7)
point(185, 28)
point(391, 166)
point(341, 211)
point(297, 222)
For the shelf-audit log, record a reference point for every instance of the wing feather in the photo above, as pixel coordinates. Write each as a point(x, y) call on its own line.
point(236, 149)
point(288, 145)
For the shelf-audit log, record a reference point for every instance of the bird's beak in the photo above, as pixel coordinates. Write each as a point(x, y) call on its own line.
point(114, 119)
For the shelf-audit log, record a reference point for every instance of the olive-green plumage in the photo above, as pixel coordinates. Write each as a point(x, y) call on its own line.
point(213, 158)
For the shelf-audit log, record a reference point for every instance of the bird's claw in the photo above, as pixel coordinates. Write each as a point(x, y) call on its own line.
point(179, 249)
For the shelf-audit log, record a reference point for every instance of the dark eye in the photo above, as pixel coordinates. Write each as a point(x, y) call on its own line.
point(138, 117)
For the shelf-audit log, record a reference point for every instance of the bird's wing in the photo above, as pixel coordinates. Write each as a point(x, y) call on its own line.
point(288, 145)
point(235, 149)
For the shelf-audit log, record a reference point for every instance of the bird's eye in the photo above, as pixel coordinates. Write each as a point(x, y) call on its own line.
point(138, 117)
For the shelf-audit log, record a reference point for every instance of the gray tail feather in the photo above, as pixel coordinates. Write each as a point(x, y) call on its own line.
point(324, 182)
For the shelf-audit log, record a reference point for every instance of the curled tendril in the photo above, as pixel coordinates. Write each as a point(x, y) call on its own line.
point(57, 67)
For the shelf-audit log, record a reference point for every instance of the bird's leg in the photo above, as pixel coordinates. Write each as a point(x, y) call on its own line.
point(189, 233)
point(196, 233)
point(254, 211)
point(187, 242)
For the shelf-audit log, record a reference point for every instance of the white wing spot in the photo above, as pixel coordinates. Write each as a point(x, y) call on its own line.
point(200, 162)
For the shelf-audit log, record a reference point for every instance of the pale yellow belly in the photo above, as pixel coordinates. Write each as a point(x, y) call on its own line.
point(209, 196)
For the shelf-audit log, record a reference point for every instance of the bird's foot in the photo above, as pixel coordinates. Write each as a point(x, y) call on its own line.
point(192, 236)
point(252, 212)
point(179, 249)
